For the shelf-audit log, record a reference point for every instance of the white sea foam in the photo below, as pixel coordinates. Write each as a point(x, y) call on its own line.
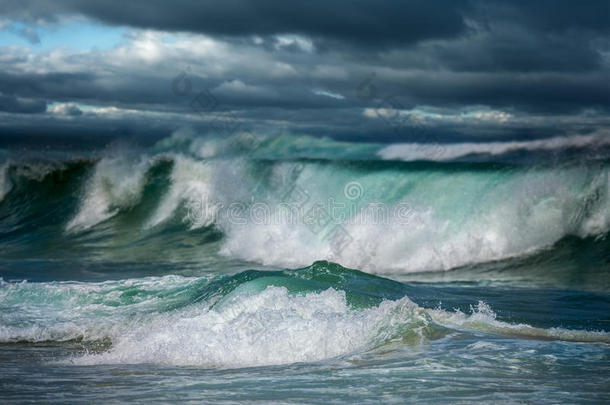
point(470, 217)
point(484, 319)
point(271, 327)
point(116, 184)
point(439, 152)
point(253, 325)
point(190, 183)
point(62, 311)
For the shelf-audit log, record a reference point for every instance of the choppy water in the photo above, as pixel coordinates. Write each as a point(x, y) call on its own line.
point(212, 270)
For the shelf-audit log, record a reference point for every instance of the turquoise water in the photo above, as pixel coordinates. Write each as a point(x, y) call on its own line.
point(211, 271)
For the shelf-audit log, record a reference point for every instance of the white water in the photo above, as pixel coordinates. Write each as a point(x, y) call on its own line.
point(190, 184)
point(440, 152)
point(248, 327)
point(435, 220)
point(470, 217)
point(267, 328)
point(116, 184)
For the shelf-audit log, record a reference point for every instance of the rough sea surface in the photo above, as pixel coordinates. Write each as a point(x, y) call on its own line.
point(297, 269)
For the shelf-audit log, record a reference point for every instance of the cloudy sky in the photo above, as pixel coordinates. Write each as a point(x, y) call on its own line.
point(348, 69)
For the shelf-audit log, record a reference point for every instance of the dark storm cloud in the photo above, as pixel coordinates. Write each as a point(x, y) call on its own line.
point(297, 65)
point(554, 16)
point(507, 50)
point(19, 105)
point(353, 20)
point(535, 93)
point(373, 22)
point(154, 93)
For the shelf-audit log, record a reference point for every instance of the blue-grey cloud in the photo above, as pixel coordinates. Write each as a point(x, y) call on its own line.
point(298, 66)
point(13, 104)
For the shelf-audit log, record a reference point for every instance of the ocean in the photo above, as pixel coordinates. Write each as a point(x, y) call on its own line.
point(298, 269)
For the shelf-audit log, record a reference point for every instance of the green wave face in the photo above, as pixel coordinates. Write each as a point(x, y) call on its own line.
point(251, 318)
point(168, 204)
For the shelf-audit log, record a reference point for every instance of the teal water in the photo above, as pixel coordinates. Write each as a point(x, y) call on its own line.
point(196, 270)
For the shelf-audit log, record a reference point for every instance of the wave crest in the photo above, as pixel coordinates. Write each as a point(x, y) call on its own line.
point(249, 319)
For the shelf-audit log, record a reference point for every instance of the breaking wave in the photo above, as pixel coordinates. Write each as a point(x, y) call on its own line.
point(249, 319)
point(186, 199)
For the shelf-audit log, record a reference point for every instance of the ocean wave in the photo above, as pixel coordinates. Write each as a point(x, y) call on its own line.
point(382, 217)
point(115, 184)
point(482, 318)
point(267, 328)
point(425, 219)
point(250, 319)
point(440, 152)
